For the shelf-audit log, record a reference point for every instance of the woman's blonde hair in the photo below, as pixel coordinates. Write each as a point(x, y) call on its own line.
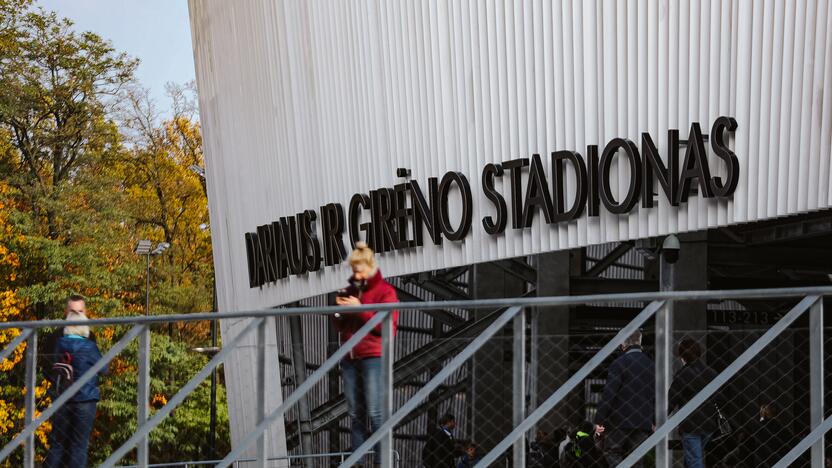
point(80, 330)
point(363, 254)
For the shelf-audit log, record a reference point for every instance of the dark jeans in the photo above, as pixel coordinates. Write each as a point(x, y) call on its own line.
point(362, 390)
point(618, 443)
point(693, 445)
point(70, 436)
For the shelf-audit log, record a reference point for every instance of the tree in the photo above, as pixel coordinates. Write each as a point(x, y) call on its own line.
point(183, 434)
point(59, 91)
point(56, 86)
point(13, 308)
point(167, 200)
point(87, 168)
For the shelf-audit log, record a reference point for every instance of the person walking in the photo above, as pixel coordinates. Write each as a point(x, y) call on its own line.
point(626, 412)
point(440, 450)
point(72, 423)
point(700, 426)
point(361, 369)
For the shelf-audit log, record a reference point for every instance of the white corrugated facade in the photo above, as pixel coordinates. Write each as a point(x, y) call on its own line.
point(305, 103)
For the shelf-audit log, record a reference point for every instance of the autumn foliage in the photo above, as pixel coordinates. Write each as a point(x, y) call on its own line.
point(88, 167)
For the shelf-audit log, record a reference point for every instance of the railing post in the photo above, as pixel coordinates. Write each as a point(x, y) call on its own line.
point(299, 365)
point(664, 360)
point(387, 359)
point(261, 391)
point(143, 394)
point(519, 386)
point(664, 370)
point(816, 410)
point(31, 383)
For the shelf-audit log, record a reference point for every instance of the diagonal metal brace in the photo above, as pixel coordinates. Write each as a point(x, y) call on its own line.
point(569, 385)
point(301, 390)
point(180, 396)
point(8, 350)
point(720, 380)
point(804, 444)
point(437, 380)
point(72, 390)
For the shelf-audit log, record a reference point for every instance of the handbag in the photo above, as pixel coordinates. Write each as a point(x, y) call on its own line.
point(724, 428)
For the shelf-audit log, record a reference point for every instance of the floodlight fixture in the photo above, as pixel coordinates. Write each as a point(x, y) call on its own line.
point(161, 247)
point(198, 170)
point(143, 247)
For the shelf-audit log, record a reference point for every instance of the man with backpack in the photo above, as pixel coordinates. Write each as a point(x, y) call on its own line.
point(72, 424)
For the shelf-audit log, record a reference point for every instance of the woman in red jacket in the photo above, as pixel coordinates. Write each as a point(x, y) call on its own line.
point(361, 369)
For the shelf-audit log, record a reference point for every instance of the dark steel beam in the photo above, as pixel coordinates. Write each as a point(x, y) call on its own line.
point(782, 257)
point(591, 285)
point(452, 273)
point(602, 265)
point(445, 317)
point(519, 268)
point(421, 331)
point(443, 290)
point(799, 228)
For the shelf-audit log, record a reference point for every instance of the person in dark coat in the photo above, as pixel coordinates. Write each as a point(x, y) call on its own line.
point(627, 408)
point(582, 450)
point(440, 450)
point(72, 423)
point(701, 425)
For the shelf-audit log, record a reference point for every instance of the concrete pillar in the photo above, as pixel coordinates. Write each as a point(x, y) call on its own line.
point(691, 273)
point(550, 362)
point(686, 319)
point(492, 365)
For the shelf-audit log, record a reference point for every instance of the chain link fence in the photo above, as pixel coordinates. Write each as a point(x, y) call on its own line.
point(185, 434)
point(766, 404)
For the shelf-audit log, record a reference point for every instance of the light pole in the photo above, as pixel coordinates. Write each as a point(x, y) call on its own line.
point(145, 247)
point(200, 171)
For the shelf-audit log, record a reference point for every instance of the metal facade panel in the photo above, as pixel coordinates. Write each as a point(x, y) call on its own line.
point(306, 103)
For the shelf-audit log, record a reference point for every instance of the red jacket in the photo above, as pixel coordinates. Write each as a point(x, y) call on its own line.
point(378, 291)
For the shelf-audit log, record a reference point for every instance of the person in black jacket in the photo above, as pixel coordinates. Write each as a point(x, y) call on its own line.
point(628, 404)
point(439, 450)
point(697, 428)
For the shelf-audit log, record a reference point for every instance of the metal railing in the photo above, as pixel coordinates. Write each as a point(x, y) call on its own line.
point(660, 307)
point(195, 463)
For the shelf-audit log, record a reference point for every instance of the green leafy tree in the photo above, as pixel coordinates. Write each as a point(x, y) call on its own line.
point(167, 202)
point(86, 171)
point(184, 434)
point(59, 91)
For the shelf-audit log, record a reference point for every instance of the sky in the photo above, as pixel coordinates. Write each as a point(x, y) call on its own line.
point(157, 32)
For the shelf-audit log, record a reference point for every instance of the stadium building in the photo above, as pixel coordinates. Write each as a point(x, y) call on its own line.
point(508, 148)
